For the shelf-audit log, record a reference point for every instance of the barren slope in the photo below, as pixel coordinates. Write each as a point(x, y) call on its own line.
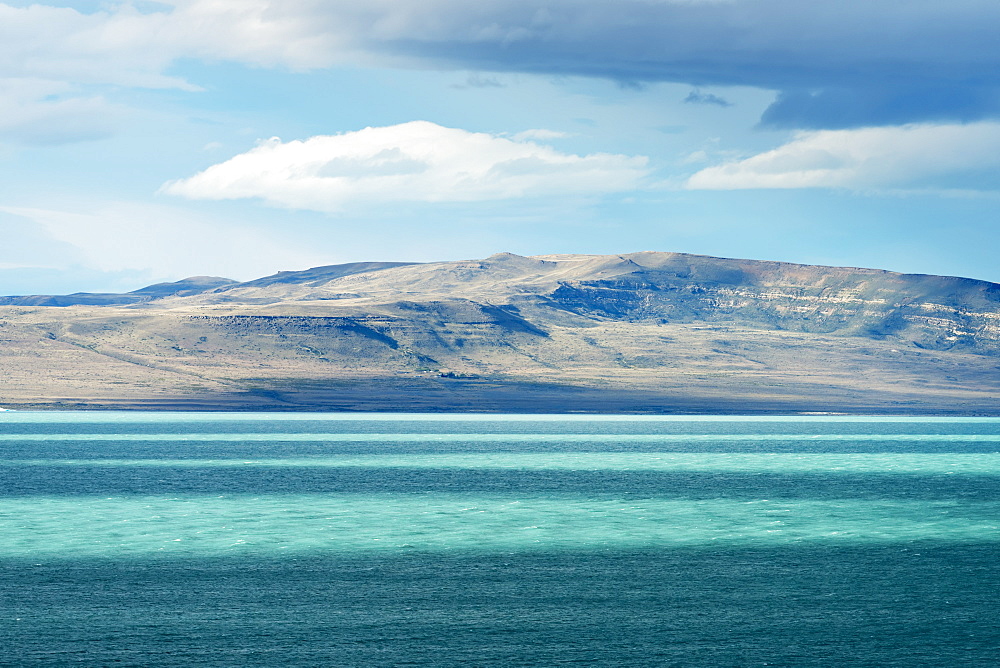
point(637, 332)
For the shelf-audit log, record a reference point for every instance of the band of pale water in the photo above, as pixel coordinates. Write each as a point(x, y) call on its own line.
point(115, 525)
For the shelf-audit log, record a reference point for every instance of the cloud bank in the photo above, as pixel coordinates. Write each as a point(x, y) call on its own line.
point(862, 159)
point(842, 64)
point(412, 162)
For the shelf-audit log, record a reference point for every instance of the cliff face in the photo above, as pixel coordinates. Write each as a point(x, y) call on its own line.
point(931, 312)
point(643, 331)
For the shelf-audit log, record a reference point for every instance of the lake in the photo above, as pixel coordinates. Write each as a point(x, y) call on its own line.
point(225, 539)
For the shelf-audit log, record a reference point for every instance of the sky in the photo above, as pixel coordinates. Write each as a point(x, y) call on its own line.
point(151, 141)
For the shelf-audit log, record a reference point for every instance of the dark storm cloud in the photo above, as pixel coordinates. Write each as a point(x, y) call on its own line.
point(697, 97)
point(842, 107)
point(834, 64)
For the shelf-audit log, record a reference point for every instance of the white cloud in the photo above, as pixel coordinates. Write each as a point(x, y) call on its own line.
point(48, 51)
point(120, 45)
point(860, 159)
point(417, 161)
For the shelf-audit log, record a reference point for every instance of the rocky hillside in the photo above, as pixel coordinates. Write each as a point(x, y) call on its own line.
point(645, 332)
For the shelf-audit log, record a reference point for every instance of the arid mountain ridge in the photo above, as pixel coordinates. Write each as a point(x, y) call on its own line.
point(639, 332)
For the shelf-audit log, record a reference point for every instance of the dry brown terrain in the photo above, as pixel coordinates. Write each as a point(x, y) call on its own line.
point(644, 332)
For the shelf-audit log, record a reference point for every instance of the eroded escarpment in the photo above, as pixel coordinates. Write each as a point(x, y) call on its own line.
point(654, 331)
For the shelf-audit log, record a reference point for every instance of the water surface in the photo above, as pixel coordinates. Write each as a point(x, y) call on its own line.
point(331, 539)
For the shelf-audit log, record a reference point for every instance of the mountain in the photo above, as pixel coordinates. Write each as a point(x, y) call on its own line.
point(187, 286)
point(640, 332)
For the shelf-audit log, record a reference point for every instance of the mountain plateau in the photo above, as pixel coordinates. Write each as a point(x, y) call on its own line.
point(645, 332)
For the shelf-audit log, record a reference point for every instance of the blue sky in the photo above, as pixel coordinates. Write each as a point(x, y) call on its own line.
point(148, 141)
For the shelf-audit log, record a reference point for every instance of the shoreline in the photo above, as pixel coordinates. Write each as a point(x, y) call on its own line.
point(493, 396)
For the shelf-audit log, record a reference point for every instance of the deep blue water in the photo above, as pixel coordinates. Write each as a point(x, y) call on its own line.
point(158, 539)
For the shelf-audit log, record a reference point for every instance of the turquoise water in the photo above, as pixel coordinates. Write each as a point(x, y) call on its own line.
point(329, 539)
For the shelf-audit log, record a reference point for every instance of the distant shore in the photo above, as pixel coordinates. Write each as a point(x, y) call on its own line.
point(482, 396)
